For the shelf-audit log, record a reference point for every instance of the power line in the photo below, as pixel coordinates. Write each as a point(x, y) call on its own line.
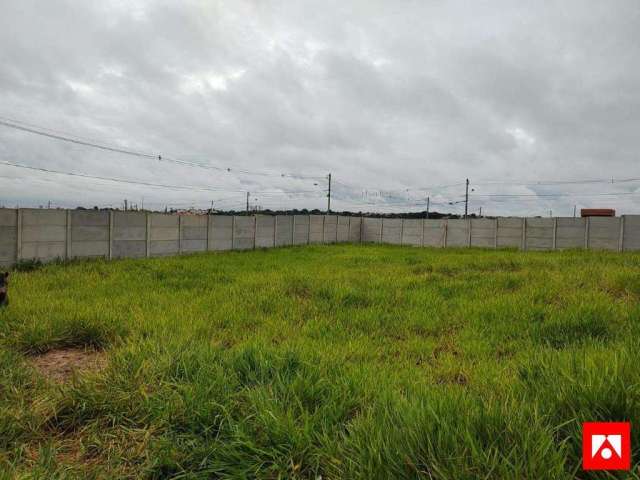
point(148, 184)
point(42, 131)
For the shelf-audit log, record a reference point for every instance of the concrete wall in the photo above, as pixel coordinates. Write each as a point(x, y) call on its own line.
point(89, 234)
point(342, 234)
point(371, 229)
point(539, 233)
point(631, 232)
point(284, 230)
point(46, 234)
point(265, 231)
point(330, 228)
point(193, 233)
point(457, 233)
point(412, 232)
point(316, 228)
point(392, 231)
point(434, 233)
point(164, 238)
point(510, 232)
point(355, 229)
point(221, 232)
point(244, 233)
point(8, 236)
point(484, 232)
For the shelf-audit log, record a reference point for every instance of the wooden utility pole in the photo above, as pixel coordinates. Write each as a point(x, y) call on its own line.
point(427, 207)
point(329, 196)
point(466, 199)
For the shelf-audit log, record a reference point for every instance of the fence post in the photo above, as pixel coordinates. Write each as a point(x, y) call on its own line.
point(67, 236)
point(524, 233)
point(275, 230)
point(179, 234)
point(309, 230)
point(18, 235)
point(495, 234)
point(148, 235)
point(422, 236)
point(469, 232)
point(402, 231)
point(555, 232)
point(293, 229)
point(110, 237)
point(233, 231)
point(361, 225)
point(587, 224)
point(446, 229)
point(381, 227)
point(206, 248)
point(621, 238)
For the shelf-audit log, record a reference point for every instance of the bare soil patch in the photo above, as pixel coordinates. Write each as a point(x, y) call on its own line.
point(59, 365)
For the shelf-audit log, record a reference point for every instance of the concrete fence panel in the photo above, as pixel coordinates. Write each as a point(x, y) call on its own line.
point(355, 229)
point(457, 233)
point(510, 232)
point(43, 234)
point(89, 233)
point(342, 234)
point(265, 231)
point(193, 233)
point(434, 233)
point(570, 232)
point(284, 230)
point(221, 232)
point(8, 236)
point(483, 232)
point(330, 228)
point(603, 233)
point(316, 228)
point(392, 231)
point(300, 229)
point(244, 233)
point(631, 232)
point(371, 229)
point(412, 232)
point(129, 238)
point(164, 237)
point(539, 233)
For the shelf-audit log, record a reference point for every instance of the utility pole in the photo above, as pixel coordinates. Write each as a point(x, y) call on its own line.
point(466, 199)
point(248, 202)
point(211, 206)
point(480, 212)
point(427, 207)
point(125, 204)
point(329, 196)
point(574, 211)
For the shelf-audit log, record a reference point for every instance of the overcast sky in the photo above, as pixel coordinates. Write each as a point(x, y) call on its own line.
point(387, 96)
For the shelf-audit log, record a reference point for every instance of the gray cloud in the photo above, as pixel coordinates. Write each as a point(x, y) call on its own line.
point(391, 97)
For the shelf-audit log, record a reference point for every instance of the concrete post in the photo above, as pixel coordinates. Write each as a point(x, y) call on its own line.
point(402, 231)
point(206, 248)
point(444, 236)
point(293, 229)
point(67, 246)
point(309, 230)
point(555, 233)
point(110, 237)
point(422, 235)
point(468, 232)
point(381, 227)
point(495, 233)
point(587, 225)
point(361, 224)
point(524, 233)
point(275, 230)
point(18, 235)
point(255, 230)
point(621, 238)
point(148, 235)
point(324, 219)
point(179, 234)
point(233, 231)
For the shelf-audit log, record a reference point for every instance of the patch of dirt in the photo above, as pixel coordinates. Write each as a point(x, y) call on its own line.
point(59, 365)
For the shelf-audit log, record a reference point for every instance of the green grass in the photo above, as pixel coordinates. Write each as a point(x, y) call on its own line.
point(340, 361)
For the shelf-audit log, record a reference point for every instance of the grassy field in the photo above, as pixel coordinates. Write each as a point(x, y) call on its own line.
point(327, 362)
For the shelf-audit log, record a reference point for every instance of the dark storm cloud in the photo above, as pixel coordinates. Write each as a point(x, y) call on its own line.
point(388, 96)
